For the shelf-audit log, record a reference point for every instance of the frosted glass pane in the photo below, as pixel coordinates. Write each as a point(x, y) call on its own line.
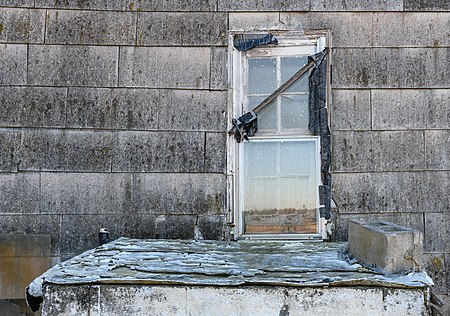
point(260, 159)
point(289, 66)
point(267, 119)
point(294, 111)
point(262, 75)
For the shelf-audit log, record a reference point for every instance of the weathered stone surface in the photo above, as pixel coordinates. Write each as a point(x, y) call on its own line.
point(90, 27)
point(391, 68)
point(182, 29)
point(250, 21)
point(378, 151)
point(387, 246)
point(38, 224)
point(412, 220)
point(22, 25)
point(13, 64)
point(113, 108)
point(165, 67)
point(66, 150)
point(215, 152)
point(77, 4)
point(219, 69)
point(86, 193)
point(350, 29)
point(437, 232)
point(174, 5)
point(192, 110)
point(158, 152)
point(350, 110)
point(32, 106)
point(357, 5)
point(251, 5)
point(180, 193)
point(17, 3)
point(426, 5)
point(19, 193)
point(9, 149)
point(212, 227)
point(392, 192)
point(435, 267)
point(76, 298)
point(411, 29)
point(438, 149)
point(66, 65)
point(175, 226)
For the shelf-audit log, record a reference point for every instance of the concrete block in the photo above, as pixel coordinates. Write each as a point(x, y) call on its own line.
point(33, 224)
point(437, 232)
point(212, 227)
point(16, 3)
point(357, 5)
point(392, 192)
point(175, 226)
point(158, 152)
point(58, 65)
point(250, 5)
point(378, 151)
point(113, 108)
point(175, 5)
point(182, 29)
point(86, 193)
point(219, 69)
point(250, 21)
point(75, 299)
point(350, 110)
point(118, 5)
point(426, 5)
point(19, 193)
point(9, 149)
point(410, 29)
point(216, 152)
point(164, 67)
point(22, 259)
point(437, 144)
point(13, 64)
point(386, 246)
point(192, 110)
point(32, 106)
point(180, 193)
point(90, 27)
point(66, 150)
point(350, 29)
point(435, 266)
point(391, 68)
point(22, 25)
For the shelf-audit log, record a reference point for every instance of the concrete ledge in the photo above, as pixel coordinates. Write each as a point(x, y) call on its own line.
point(385, 245)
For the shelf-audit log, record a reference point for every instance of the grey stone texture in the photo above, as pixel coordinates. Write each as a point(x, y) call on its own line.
point(22, 25)
point(13, 64)
point(378, 151)
point(164, 67)
point(263, 5)
point(175, 226)
point(249, 21)
point(215, 152)
point(357, 5)
point(212, 227)
point(20, 193)
point(65, 65)
point(158, 152)
point(435, 266)
point(391, 68)
point(438, 149)
point(396, 192)
point(351, 110)
point(182, 29)
point(219, 69)
point(17, 3)
point(437, 228)
point(180, 193)
point(174, 5)
point(65, 150)
point(9, 149)
point(426, 5)
point(32, 107)
point(83, 4)
point(90, 27)
point(386, 246)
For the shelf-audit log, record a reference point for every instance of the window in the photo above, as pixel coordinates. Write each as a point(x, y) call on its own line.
point(276, 175)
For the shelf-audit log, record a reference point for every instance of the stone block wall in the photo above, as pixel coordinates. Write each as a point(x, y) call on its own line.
point(114, 113)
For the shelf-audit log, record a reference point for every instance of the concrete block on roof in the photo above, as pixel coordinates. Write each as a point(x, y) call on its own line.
point(437, 144)
point(265, 5)
point(22, 25)
point(20, 193)
point(90, 27)
point(77, 4)
point(427, 5)
point(350, 110)
point(357, 5)
point(182, 28)
point(386, 246)
point(9, 149)
point(66, 65)
point(32, 106)
point(165, 67)
point(437, 232)
point(219, 68)
point(174, 5)
point(13, 64)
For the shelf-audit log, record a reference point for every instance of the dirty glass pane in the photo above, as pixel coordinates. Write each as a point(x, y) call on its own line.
point(294, 111)
point(280, 187)
point(262, 75)
point(289, 66)
point(267, 119)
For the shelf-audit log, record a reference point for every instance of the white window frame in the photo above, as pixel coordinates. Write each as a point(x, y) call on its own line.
point(290, 42)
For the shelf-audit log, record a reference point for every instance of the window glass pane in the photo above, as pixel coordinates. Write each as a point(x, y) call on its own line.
point(267, 118)
point(262, 75)
point(289, 66)
point(294, 111)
